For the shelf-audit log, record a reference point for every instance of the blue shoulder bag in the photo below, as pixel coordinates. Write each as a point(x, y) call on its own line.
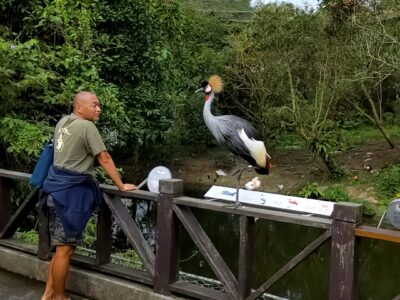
point(42, 166)
point(44, 163)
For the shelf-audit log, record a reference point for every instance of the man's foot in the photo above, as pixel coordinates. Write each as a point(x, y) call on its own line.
point(48, 295)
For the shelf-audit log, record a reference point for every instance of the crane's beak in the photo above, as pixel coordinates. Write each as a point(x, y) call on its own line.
point(199, 90)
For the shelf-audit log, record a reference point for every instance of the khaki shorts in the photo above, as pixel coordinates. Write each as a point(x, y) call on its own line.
point(56, 229)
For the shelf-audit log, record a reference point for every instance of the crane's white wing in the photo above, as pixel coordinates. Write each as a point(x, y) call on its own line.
point(256, 148)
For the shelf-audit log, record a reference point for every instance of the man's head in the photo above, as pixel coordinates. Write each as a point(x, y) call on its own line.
point(87, 106)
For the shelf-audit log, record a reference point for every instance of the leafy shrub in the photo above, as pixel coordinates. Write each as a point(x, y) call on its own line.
point(90, 233)
point(368, 209)
point(336, 194)
point(31, 236)
point(310, 190)
point(388, 182)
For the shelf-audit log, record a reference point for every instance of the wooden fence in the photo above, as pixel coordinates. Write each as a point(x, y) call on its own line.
point(174, 213)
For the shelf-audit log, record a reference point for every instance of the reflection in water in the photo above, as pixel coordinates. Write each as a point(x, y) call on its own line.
point(276, 244)
point(378, 270)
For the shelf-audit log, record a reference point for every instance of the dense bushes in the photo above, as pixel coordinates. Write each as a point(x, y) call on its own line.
point(288, 70)
point(139, 57)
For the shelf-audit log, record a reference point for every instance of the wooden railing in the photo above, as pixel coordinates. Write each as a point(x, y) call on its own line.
point(174, 212)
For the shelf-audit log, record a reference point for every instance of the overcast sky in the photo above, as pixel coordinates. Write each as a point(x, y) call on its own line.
point(298, 3)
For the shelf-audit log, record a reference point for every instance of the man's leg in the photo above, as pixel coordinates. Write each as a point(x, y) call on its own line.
point(60, 268)
point(48, 293)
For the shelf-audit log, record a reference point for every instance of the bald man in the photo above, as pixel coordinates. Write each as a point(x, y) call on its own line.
point(73, 192)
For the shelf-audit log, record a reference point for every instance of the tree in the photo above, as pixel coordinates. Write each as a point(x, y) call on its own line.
point(257, 85)
point(376, 48)
point(311, 120)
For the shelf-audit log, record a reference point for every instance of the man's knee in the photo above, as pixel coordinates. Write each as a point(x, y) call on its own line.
point(65, 251)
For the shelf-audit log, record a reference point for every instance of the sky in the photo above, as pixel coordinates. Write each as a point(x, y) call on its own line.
point(298, 3)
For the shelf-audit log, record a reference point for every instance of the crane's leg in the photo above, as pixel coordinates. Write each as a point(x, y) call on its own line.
point(239, 176)
point(238, 173)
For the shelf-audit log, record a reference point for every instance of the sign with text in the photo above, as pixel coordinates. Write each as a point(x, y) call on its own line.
point(270, 200)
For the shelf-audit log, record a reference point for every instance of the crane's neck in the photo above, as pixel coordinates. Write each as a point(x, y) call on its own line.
point(210, 120)
point(207, 115)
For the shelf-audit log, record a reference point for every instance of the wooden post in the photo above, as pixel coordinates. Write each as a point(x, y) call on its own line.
point(5, 202)
point(168, 235)
point(247, 255)
point(104, 235)
point(342, 282)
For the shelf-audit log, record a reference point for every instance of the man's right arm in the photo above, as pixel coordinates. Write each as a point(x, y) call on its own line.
point(106, 161)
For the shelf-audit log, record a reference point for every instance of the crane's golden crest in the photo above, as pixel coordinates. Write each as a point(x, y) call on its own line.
point(216, 83)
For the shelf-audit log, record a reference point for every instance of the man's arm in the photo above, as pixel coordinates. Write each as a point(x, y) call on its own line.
point(106, 161)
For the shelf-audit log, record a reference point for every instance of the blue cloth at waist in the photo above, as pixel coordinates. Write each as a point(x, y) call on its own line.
point(75, 197)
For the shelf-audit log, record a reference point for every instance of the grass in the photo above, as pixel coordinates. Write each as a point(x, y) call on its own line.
point(348, 136)
point(362, 134)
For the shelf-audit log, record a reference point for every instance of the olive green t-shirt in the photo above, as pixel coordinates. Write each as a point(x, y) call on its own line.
point(76, 144)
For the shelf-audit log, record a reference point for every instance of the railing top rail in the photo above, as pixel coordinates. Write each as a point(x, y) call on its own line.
point(378, 233)
point(262, 213)
point(136, 194)
point(14, 174)
point(109, 189)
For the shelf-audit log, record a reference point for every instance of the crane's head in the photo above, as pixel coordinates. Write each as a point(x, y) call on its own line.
point(214, 84)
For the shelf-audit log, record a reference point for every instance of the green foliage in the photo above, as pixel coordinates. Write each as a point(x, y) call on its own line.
point(102, 176)
point(287, 140)
point(368, 209)
point(312, 120)
point(23, 140)
point(128, 258)
point(145, 58)
point(128, 53)
point(219, 5)
point(30, 236)
point(336, 194)
point(310, 190)
point(90, 233)
point(388, 183)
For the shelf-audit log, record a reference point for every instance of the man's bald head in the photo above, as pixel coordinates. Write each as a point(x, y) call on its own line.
point(81, 97)
point(86, 106)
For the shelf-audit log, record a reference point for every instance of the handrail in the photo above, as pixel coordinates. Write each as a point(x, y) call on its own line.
point(110, 189)
point(378, 233)
point(250, 211)
point(14, 174)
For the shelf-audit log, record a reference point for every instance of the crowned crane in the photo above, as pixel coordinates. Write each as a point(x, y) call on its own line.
point(235, 133)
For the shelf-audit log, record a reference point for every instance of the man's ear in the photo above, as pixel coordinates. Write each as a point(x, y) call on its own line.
point(77, 108)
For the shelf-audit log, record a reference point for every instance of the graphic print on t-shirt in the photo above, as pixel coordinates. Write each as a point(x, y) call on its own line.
point(60, 142)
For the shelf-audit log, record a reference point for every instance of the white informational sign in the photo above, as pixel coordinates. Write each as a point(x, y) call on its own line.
point(269, 200)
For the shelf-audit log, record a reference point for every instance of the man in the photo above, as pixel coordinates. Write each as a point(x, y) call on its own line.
point(73, 193)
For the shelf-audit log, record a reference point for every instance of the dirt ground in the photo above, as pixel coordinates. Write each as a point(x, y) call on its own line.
point(291, 169)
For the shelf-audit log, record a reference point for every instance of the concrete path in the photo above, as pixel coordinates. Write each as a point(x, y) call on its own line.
point(17, 287)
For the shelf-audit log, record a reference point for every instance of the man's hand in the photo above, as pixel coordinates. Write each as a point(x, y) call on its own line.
point(127, 187)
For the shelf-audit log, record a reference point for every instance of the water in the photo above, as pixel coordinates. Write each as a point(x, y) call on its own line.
point(277, 243)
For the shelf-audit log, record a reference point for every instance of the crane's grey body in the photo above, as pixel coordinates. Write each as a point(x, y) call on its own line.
point(226, 129)
point(237, 134)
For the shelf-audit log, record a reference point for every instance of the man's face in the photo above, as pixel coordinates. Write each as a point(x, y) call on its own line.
point(90, 108)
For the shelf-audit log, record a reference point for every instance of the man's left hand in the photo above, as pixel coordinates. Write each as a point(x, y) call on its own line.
point(127, 187)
